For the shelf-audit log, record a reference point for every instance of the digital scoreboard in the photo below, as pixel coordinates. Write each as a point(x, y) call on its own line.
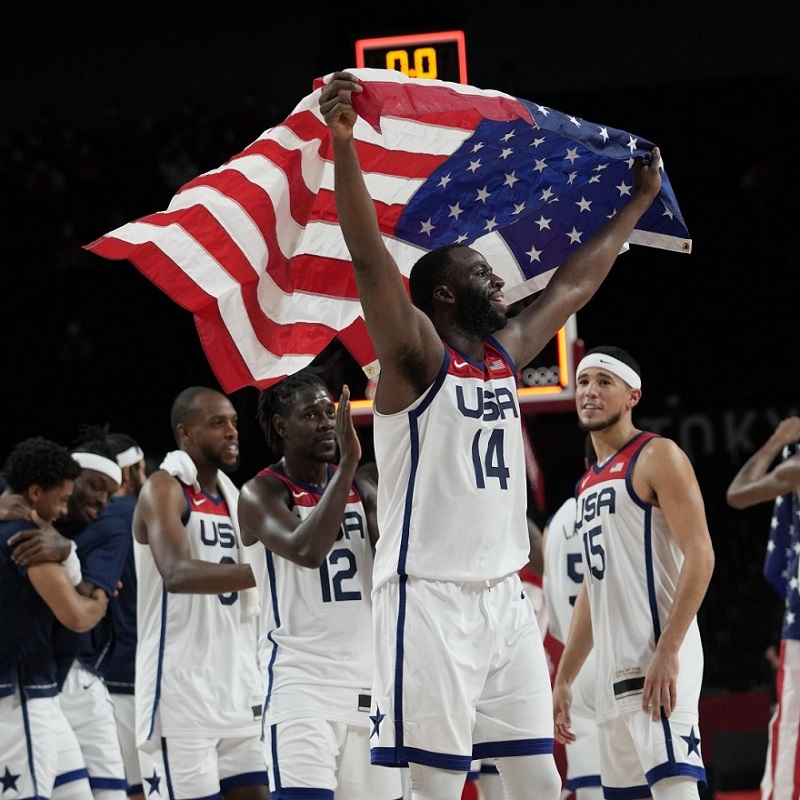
point(437, 56)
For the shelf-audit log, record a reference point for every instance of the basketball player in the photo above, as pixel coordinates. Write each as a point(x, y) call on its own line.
point(562, 578)
point(758, 481)
point(33, 729)
point(460, 668)
point(316, 527)
point(102, 543)
point(648, 560)
point(198, 688)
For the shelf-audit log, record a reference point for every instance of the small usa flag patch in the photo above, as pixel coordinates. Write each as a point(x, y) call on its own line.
point(618, 467)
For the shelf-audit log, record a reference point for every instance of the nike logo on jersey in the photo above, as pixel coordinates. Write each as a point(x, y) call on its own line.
point(298, 494)
point(198, 500)
point(459, 364)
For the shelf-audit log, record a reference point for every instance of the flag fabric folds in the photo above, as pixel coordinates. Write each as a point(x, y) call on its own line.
point(254, 251)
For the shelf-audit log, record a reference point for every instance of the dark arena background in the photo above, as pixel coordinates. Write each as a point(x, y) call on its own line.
point(106, 114)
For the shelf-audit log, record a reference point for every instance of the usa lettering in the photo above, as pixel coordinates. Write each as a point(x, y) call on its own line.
point(352, 526)
point(487, 405)
point(592, 505)
point(220, 533)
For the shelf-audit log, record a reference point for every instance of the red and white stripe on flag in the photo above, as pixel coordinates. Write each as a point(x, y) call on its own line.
point(253, 248)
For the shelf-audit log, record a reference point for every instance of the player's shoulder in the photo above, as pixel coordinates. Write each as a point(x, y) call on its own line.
point(662, 458)
point(654, 445)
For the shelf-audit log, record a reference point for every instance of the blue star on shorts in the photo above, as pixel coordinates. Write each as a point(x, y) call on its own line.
point(377, 718)
point(692, 742)
point(9, 780)
point(154, 782)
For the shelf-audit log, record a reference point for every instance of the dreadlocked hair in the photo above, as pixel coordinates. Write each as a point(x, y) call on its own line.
point(95, 439)
point(278, 398)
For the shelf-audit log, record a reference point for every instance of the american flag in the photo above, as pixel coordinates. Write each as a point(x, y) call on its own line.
point(254, 251)
point(782, 560)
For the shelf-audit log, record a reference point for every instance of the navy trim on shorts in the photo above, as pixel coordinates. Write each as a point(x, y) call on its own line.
point(628, 793)
point(513, 747)
point(584, 782)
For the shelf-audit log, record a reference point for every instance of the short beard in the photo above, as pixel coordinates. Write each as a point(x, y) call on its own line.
point(600, 425)
point(476, 316)
point(229, 468)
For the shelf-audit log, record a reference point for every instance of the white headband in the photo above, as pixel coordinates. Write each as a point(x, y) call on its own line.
point(99, 464)
point(610, 364)
point(127, 458)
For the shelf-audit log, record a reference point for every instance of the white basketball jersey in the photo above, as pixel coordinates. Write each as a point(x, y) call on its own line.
point(196, 660)
point(452, 491)
point(633, 568)
point(562, 579)
point(316, 644)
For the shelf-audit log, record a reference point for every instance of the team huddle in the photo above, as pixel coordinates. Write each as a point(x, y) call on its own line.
point(326, 632)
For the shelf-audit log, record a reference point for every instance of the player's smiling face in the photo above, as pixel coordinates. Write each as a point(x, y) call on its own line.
point(601, 399)
point(90, 495)
point(213, 430)
point(479, 306)
point(51, 504)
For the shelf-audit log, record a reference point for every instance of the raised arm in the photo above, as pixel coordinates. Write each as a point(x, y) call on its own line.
point(265, 507)
point(71, 609)
point(755, 482)
point(157, 523)
point(664, 476)
point(400, 333)
point(574, 282)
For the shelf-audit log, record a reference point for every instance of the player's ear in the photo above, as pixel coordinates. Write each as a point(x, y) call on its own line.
point(279, 423)
point(443, 294)
point(635, 396)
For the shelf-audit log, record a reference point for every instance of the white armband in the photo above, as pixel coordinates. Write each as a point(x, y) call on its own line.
point(73, 565)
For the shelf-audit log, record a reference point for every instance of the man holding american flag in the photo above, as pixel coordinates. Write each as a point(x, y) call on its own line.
point(757, 482)
point(460, 670)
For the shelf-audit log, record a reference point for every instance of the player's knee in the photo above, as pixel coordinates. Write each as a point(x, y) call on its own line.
point(679, 787)
point(520, 773)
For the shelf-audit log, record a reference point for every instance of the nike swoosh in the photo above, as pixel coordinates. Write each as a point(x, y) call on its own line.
point(298, 494)
point(200, 501)
point(459, 364)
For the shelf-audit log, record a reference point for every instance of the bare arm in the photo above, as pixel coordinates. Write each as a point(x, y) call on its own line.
point(664, 476)
point(71, 609)
point(755, 482)
point(401, 333)
point(157, 523)
point(38, 545)
point(369, 496)
point(13, 506)
point(536, 553)
point(265, 509)
point(574, 283)
point(576, 650)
